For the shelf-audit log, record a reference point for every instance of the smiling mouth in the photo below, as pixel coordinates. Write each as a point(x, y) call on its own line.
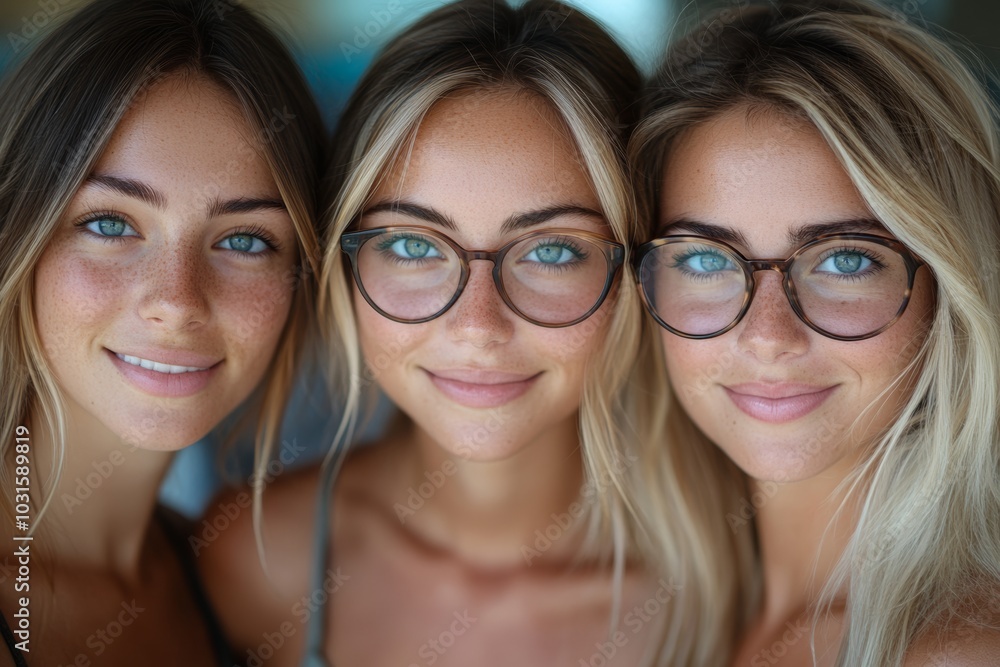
point(482, 389)
point(157, 366)
point(779, 403)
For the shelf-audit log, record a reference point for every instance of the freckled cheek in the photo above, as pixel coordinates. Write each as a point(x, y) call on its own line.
point(76, 300)
point(386, 344)
point(687, 360)
point(252, 310)
point(564, 354)
point(878, 361)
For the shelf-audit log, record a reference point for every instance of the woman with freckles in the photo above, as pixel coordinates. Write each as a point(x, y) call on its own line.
point(152, 225)
point(822, 182)
point(479, 219)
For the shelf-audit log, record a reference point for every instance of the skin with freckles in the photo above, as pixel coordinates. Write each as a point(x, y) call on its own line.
point(763, 177)
point(176, 250)
point(162, 277)
point(438, 530)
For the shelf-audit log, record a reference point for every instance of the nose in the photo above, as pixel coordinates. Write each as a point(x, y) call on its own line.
point(771, 331)
point(480, 317)
point(174, 284)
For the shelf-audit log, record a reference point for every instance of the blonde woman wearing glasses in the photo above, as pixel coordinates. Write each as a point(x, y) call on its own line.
point(821, 182)
point(474, 272)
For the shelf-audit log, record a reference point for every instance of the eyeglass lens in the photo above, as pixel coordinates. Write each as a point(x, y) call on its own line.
point(552, 279)
point(844, 287)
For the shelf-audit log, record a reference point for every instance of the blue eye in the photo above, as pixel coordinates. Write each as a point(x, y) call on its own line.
point(244, 243)
point(410, 247)
point(703, 262)
point(111, 227)
point(845, 262)
point(554, 253)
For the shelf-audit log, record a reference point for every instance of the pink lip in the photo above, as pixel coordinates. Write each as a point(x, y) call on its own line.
point(777, 403)
point(478, 388)
point(167, 385)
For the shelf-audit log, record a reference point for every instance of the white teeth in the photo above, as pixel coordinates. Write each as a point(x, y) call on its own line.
point(156, 366)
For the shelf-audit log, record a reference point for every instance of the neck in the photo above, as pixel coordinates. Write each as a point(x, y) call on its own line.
point(492, 514)
point(803, 529)
point(103, 502)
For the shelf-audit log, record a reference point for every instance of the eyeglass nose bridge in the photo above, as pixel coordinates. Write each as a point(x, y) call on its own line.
point(782, 267)
point(469, 256)
point(494, 256)
point(779, 265)
point(486, 255)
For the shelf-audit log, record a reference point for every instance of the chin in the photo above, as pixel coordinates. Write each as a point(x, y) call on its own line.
point(785, 463)
point(159, 433)
point(481, 450)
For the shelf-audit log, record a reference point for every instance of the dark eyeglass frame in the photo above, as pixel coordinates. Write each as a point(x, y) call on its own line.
point(782, 266)
point(614, 255)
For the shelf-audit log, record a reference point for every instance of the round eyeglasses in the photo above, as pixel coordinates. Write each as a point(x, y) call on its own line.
point(843, 286)
point(551, 277)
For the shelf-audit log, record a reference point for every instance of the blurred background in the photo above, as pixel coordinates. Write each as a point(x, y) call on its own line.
point(334, 41)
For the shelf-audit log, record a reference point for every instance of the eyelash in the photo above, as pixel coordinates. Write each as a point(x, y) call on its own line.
point(81, 225)
point(259, 232)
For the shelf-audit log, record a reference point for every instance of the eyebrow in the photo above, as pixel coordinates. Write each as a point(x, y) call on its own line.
point(796, 237)
point(414, 211)
point(514, 222)
point(129, 188)
point(520, 221)
point(245, 205)
point(807, 233)
point(139, 190)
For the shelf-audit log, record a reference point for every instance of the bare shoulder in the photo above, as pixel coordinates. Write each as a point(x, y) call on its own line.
point(973, 640)
point(249, 599)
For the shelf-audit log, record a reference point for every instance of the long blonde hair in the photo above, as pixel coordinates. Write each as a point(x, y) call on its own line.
point(58, 110)
point(916, 132)
point(558, 53)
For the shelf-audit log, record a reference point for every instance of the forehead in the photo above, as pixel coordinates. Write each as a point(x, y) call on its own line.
point(761, 174)
point(187, 134)
point(480, 157)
